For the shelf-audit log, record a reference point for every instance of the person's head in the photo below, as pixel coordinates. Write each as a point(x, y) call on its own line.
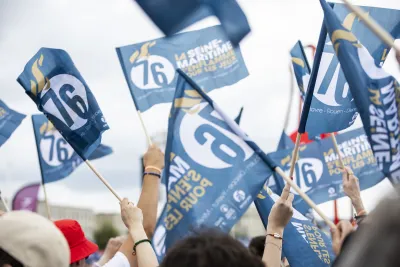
point(210, 248)
point(80, 247)
point(28, 239)
point(377, 240)
point(256, 246)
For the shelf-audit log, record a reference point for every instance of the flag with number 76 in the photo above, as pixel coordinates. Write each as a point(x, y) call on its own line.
point(53, 82)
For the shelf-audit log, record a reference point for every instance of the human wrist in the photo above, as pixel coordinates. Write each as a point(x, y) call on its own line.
point(273, 229)
point(153, 168)
point(357, 204)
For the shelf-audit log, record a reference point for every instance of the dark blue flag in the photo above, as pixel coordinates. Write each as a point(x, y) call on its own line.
point(333, 107)
point(301, 68)
point(172, 16)
point(239, 117)
point(305, 245)
point(51, 79)
point(207, 56)
point(213, 170)
point(9, 122)
point(57, 158)
point(317, 171)
point(376, 94)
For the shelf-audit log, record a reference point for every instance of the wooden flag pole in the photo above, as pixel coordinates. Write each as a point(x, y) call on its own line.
point(337, 150)
point(144, 128)
point(46, 202)
point(4, 203)
point(289, 108)
point(372, 25)
point(305, 197)
point(103, 180)
point(294, 155)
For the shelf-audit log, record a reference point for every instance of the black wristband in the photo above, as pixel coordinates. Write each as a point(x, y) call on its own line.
point(152, 173)
point(139, 242)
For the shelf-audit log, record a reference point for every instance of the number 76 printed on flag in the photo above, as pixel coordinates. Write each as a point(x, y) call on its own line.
point(53, 82)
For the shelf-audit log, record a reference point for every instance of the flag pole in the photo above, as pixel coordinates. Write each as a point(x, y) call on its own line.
point(144, 127)
point(46, 202)
point(4, 203)
point(103, 180)
point(335, 145)
point(289, 108)
point(372, 25)
point(295, 154)
point(305, 197)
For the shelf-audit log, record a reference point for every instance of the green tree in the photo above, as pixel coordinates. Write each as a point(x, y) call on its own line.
point(104, 233)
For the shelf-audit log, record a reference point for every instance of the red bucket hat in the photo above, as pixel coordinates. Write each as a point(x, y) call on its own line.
point(79, 246)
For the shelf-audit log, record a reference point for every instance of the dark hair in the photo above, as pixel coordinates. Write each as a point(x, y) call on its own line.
point(6, 258)
point(256, 246)
point(210, 248)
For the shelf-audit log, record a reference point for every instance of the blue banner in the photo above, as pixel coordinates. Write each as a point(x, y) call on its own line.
point(172, 16)
point(376, 94)
point(9, 122)
point(213, 169)
point(207, 56)
point(317, 171)
point(53, 82)
point(301, 68)
point(333, 107)
point(57, 158)
point(239, 117)
point(305, 245)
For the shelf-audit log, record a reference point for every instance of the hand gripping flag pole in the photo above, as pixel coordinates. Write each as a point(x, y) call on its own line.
point(305, 197)
point(372, 25)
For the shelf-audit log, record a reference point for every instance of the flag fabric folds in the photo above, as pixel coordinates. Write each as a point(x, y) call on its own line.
point(53, 82)
point(332, 107)
point(317, 171)
point(301, 68)
point(239, 117)
point(57, 159)
point(9, 122)
point(26, 198)
point(305, 245)
point(206, 55)
point(172, 16)
point(213, 170)
point(376, 94)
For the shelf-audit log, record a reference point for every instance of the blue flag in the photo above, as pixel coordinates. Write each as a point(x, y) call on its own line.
point(375, 92)
point(172, 16)
point(57, 159)
point(332, 107)
point(205, 55)
point(51, 79)
point(213, 170)
point(9, 121)
point(239, 117)
point(317, 172)
point(285, 142)
point(305, 245)
point(301, 68)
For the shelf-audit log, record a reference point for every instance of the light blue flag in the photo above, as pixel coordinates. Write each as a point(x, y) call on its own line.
point(305, 245)
point(333, 107)
point(206, 55)
point(213, 170)
point(318, 170)
point(9, 122)
point(376, 94)
point(53, 82)
point(57, 159)
point(301, 68)
point(172, 16)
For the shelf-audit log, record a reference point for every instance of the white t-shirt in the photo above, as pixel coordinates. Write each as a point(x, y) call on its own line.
point(119, 260)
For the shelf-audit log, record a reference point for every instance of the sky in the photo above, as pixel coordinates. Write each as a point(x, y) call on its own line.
point(90, 30)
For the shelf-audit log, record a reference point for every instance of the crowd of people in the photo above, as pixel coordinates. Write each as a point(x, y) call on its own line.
point(29, 240)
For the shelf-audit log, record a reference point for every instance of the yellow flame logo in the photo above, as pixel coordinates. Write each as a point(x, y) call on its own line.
point(144, 52)
point(47, 127)
point(41, 81)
